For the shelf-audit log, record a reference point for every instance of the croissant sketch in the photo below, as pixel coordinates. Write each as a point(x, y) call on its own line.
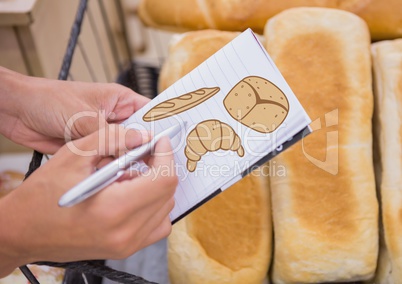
point(208, 136)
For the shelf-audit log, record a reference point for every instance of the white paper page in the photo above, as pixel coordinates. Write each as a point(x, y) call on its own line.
point(239, 59)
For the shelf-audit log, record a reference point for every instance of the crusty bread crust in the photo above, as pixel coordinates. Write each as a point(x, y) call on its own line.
point(189, 51)
point(387, 59)
point(228, 239)
point(383, 16)
point(325, 210)
point(225, 241)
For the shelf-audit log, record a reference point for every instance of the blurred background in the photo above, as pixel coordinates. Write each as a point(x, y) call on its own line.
point(34, 35)
point(116, 46)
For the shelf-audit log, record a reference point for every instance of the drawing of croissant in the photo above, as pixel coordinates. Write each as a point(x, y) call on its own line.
point(209, 136)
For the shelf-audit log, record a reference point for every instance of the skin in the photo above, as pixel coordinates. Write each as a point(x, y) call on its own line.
point(130, 214)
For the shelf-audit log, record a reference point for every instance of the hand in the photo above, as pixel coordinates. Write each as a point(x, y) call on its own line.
point(121, 219)
point(35, 111)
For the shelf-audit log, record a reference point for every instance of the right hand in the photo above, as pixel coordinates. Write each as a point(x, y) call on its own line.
point(118, 221)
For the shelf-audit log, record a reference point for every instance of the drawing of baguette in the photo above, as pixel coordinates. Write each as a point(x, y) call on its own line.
point(209, 136)
point(179, 104)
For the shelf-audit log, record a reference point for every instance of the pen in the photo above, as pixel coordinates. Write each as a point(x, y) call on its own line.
point(112, 171)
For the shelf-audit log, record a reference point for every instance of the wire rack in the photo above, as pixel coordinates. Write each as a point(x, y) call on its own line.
point(141, 78)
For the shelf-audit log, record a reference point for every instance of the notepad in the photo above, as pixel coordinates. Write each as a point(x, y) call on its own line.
point(239, 113)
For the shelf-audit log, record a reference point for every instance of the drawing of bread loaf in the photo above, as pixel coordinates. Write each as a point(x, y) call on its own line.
point(257, 103)
point(179, 104)
point(209, 136)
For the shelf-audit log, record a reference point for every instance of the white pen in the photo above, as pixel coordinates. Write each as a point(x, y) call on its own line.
point(112, 171)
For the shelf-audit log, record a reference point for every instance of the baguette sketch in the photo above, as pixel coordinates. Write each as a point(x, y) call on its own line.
point(179, 104)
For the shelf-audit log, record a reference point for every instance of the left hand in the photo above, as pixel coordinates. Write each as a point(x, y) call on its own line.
point(35, 111)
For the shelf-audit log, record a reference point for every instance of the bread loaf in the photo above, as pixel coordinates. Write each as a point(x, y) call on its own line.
point(228, 239)
point(225, 241)
point(387, 59)
point(384, 17)
point(325, 210)
point(189, 50)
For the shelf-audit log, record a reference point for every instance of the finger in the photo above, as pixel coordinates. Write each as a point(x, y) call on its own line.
point(162, 155)
point(40, 142)
point(112, 140)
point(118, 140)
point(135, 209)
point(152, 218)
point(158, 213)
point(139, 193)
point(131, 173)
point(50, 146)
point(160, 176)
point(104, 162)
point(135, 169)
point(127, 103)
point(157, 185)
point(140, 101)
point(161, 231)
point(128, 175)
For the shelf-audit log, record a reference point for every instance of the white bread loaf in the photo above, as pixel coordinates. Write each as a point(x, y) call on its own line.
point(228, 239)
point(384, 17)
point(225, 241)
point(325, 210)
point(189, 50)
point(387, 59)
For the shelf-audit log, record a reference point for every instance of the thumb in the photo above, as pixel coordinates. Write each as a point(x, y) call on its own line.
point(162, 160)
point(85, 123)
point(112, 140)
point(162, 154)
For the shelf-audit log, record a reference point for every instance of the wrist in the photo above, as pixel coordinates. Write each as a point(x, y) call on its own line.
point(10, 85)
point(9, 99)
point(15, 90)
point(10, 253)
